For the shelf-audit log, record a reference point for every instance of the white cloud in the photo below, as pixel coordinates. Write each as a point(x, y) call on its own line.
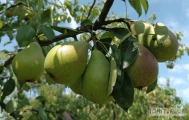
point(162, 81)
point(176, 81)
point(185, 93)
point(180, 68)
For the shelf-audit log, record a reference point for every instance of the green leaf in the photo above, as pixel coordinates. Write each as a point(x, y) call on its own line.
point(121, 33)
point(48, 32)
point(116, 54)
point(137, 6)
point(65, 30)
point(25, 35)
point(86, 22)
point(10, 34)
point(128, 52)
point(10, 106)
point(46, 16)
point(161, 32)
point(1, 24)
point(103, 45)
point(152, 86)
point(23, 102)
point(113, 75)
point(42, 113)
point(145, 5)
point(26, 87)
point(107, 35)
point(9, 27)
point(8, 88)
point(41, 99)
point(49, 80)
point(123, 92)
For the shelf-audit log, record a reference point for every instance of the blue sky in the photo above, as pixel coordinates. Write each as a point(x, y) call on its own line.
point(175, 15)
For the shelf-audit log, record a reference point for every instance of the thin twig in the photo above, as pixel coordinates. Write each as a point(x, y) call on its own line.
point(89, 13)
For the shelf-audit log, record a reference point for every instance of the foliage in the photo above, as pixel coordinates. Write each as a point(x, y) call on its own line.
point(46, 22)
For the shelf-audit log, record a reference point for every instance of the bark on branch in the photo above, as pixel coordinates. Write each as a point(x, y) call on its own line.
point(99, 22)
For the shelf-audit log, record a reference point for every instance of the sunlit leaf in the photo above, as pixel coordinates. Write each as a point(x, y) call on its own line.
point(161, 32)
point(10, 106)
point(137, 6)
point(1, 24)
point(145, 5)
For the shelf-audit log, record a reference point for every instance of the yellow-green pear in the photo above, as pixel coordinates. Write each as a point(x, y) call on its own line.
point(66, 62)
point(76, 87)
point(28, 64)
point(144, 70)
point(165, 51)
point(95, 81)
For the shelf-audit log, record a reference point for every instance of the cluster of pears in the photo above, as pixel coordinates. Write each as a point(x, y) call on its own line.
point(144, 70)
point(66, 63)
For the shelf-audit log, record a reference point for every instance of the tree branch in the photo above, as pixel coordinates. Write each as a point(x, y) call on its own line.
point(9, 60)
point(116, 20)
point(98, 23)
point(89, 13)
point(55, 39)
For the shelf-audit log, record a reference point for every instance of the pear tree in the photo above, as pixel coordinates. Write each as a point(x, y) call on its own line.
point(105, 59)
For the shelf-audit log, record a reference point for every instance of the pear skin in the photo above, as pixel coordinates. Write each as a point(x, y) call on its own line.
point(28, 64)
point(144, 70)
point(76, 87)
point(95, 81)
point(165, 51)
point(66, 62)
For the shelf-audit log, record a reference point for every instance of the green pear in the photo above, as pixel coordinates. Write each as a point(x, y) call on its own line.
point(112, 76)
point(95, 81)
point(28, 64)
point(65, 63)
point(144, 70)
point(141, 28)
point(76, 87)
point(165, 51)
